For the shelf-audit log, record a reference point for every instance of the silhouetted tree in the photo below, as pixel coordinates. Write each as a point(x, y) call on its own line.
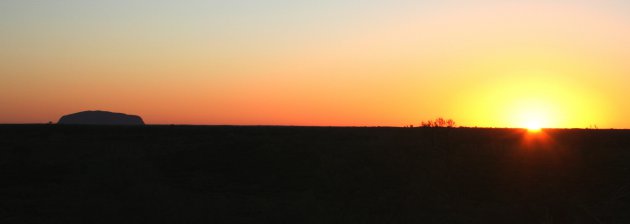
point(450, 123)
point(438, 123)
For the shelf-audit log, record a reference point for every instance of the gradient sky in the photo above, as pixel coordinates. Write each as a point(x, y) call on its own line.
point(337, 62)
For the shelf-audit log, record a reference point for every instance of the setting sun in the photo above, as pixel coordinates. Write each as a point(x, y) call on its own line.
point(533, 126)
point(534, 119)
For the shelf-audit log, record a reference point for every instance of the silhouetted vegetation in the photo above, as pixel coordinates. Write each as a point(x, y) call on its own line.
point(438, 123)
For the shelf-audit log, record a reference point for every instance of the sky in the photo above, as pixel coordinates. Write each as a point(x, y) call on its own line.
point(326, 63)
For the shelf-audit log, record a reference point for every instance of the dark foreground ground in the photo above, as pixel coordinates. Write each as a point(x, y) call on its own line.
point(179, 174)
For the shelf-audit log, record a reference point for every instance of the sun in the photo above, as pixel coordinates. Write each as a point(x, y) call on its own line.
point(533, 117)
point(533, 126)
point(533, 114)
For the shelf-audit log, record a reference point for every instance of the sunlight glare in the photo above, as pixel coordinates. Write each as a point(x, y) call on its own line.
point(533, 126)
point(534, 115)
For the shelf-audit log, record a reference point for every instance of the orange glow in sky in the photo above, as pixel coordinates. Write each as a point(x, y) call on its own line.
point(545, 64)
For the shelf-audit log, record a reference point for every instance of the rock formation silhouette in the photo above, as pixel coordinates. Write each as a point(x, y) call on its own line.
point(101, 118)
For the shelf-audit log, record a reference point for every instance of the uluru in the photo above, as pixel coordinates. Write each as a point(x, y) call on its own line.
point(98, 117)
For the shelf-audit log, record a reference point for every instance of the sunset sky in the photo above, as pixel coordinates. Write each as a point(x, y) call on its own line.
point(330, 62)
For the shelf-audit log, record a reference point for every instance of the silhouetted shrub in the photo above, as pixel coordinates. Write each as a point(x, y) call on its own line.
point(438, 123)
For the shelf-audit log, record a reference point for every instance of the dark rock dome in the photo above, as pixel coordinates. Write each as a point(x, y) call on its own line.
point(101, 118)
